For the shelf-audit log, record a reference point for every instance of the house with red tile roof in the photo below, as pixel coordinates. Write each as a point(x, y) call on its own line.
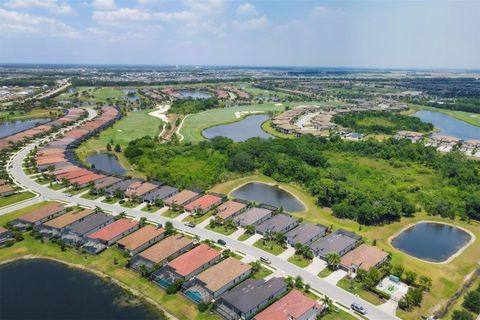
point(182, 198)
point(187, 265)
point(40, 215)
point(230, 209)
point(139, 189)
point(293, 306)
point(85, 180)
point(203, 204)
point(115, 231)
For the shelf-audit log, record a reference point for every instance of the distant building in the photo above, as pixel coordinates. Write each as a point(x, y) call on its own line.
point(278, 223)
point(305, 234)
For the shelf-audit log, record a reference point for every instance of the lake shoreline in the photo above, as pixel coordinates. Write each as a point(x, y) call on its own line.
point(101, 275)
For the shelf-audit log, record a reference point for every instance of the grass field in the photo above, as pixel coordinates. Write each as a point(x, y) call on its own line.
point(244, 236)
point(34, 114)
point(269, 246)
point(14, 198)
point(267, 127)
point(100, 94)
point(446, 278)
point(299, 261)
point(135, 125)
point(222, 229)
point(469, 117)
point(194, 124)
point(356, 289)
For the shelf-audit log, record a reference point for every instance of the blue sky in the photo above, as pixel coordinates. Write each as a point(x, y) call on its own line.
point(379, 34)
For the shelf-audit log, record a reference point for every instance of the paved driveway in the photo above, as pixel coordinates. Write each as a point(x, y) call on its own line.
point(316, 266)
point(182, 216)
point(389, 307)
point(287, 253)
point(250, 241)
point(336, 276)
point(237, 233)
point(205, 222)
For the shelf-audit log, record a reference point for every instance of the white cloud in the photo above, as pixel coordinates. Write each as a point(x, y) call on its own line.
point(319, 11)
point(205, 6)
point(53, 6)
point(251, 24)
point(246, 9)
point(15, 23)
point(121, 16)
point(104, 4)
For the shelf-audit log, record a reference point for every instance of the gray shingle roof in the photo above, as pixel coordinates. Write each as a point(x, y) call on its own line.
point(305, 232)
point(251, 216)
point(90, 223)
point(277, 223)
point(161, 193)
point(248, 295)
point(334, 242)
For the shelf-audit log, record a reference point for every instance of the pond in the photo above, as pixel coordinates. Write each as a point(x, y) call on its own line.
point(106, 162)
point(449, 126)
point(131, 98)
point(272, 195)
point(250, 127)
point(127, 91)
point(431, 241)
point(43, 289)
point(195, 94)
point(8, 128)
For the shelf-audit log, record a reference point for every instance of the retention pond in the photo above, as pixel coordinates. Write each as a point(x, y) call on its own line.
point(250, 127)
point(106, 162)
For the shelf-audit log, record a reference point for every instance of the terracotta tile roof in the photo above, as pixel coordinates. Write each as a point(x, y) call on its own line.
point(68, 218)
point(6, 188)
point(292, 306)
point(203, 202)
point(165, 248)
point(140, 237)
point(229, 208)
point(181, 197)
point(139, 188)
point(42, 213)
point(194, 259)
point(87, 178)
point(114, 229)
point(364, 256)
point(223, 273)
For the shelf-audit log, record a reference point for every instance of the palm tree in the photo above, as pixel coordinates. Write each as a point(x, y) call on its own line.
point(333, 260)
point(327, 302)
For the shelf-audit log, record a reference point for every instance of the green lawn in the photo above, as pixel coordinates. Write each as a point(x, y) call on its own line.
point(150, 209)
point(198, 219)
point(171, 214)
point(133, 126)
point(244, 236)
point(267, 127)
point(325, 272)
point(222, 229)
point(14, 198)
point(90, 196)
point(194, 124)
point(262, 273)
point(74, 192)
point(110, 200)
point(129, 204)
point(33, 114)
point(356, 289)
point(17, 213)
point(269, 246)
point(340, 315)
point(299, 261)
point(56, 186)
point(469, 117)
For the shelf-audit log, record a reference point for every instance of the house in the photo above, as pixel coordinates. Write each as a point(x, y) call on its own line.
point(105, 182)
point(216, 280)
point(139, 189)
point(39, 215)
point(6, 190)
point(187, 265)
point(278, 223)
point(115, 231)
point(409, 135)
point(158, 254)
point(141, 239)
point(293, 306)
point(230, 209)
point(305, 234)
point(203, 204)
point(354, 136)
point(244, 301)
point(59, 224)
point(363, 257)
point(5, 235)
point(76, 233)
point(340, 242)
point(182, 198)
point(160, 193)
point(119, 187)
point(86, 180)
point(253, 216)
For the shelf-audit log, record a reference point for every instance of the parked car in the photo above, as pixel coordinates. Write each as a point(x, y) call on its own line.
point(190, 224)
point(68, 195)
point(265, 260)
point(358, 308)
point(222, 242)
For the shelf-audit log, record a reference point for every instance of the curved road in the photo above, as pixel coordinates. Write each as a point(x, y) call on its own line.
point(337, 294)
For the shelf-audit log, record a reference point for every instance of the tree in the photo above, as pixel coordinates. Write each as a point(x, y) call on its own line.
point(299, 282)
point(169, 229)
point(327, 302)
point(472, 301)
point(256, 265)
point(118, 148)
point(142, 221)
point(250, 229)
point(462, 315)
point(333, 260)
point(398, 270)
point(289, 281)
point(425, 283)
point(410, 277)
point(109, 147)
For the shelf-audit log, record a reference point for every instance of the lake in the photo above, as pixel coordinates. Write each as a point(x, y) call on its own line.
point(250, 127)
point(272, 195)
point(449, 126)
point(195, 94)
point(8, 128)
point(43, 289)
point(106, 162)
point(431, 241)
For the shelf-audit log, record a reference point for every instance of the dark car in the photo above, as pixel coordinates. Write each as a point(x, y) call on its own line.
point(222, 242)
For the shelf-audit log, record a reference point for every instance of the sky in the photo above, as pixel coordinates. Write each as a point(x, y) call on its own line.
point(361, 34)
